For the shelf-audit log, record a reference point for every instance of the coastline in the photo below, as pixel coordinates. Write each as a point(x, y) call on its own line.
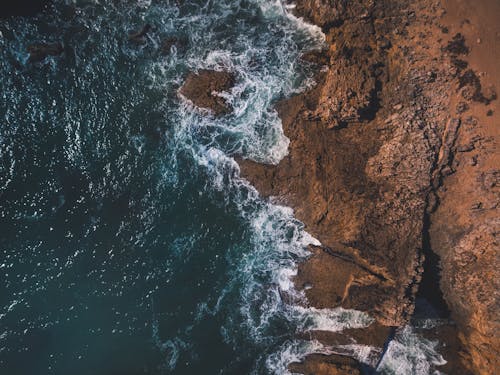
point(375, 172)
point(392, 167)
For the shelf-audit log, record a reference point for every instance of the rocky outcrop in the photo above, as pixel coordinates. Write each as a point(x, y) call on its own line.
point(204, 90)
point(465, 225)
point(373, 151)
point(359, 167)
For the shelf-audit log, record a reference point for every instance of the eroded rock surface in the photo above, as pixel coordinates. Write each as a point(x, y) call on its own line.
point(359, 167)
point(388, 165)
point(203, 89)
point(140, 37)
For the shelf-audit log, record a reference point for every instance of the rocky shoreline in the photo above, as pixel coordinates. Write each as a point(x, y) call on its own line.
point(393, 166)
point(386, 153)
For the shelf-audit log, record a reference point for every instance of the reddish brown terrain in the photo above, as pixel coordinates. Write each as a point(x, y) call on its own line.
point(203, 89)
point(393, 166)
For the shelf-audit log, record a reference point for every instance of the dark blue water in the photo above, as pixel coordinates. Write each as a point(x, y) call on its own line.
point(128, 242)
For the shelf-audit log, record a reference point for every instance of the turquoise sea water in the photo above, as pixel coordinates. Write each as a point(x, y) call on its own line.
point(129, 244)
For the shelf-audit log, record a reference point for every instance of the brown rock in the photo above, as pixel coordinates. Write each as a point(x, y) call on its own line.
point(334, 279)
point(375, 335)
point(318, 364)
point(379, 189)
point(203, 89)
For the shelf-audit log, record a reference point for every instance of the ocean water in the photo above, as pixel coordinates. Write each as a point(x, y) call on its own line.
point(129, 244)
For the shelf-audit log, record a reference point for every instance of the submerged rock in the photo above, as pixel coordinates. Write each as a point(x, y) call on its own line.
point(203, 89)
point(139, 37)
point(40, 51)
point(167, 44)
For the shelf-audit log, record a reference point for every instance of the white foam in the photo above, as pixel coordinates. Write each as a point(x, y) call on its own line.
point(409, 353)
point(272, 8)
point(333, 320)
point(294, 351)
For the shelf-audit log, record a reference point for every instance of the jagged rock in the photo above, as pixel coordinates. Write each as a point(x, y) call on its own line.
point(320, 57)
point(375, 335)
point(203, 89)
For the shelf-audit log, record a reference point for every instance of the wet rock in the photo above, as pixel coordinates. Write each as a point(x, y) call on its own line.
point(319, 364)
point(316, 57)
point(203, 89)
point(338, 280)
point(375, 335)
point(324, 15)
point(40, 51)
point(167, 44)
point(139, 37)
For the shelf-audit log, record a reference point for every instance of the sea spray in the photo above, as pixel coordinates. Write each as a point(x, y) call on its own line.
point(410, 353)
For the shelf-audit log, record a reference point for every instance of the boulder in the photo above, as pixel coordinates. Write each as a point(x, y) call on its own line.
point(203, 89)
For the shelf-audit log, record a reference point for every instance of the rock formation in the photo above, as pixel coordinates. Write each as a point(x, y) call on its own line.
point(393, 170)
point(203, 89)
point(139, 37)
point(373, 150)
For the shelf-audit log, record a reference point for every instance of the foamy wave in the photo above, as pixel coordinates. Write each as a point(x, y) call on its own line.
point(409, 353)
point(273, 8)
point(333, 320)
point(294, 351)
